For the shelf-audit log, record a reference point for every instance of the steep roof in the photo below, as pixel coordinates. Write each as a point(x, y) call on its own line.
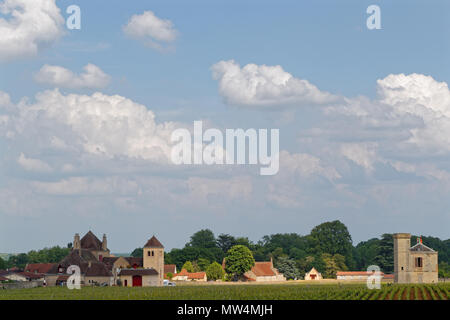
point(39, 267)
point(421, 247)
point(90, 241)
point(263, 269)
point(138, 272)
point(98, 269)
point(74, 258)
point(153, 243)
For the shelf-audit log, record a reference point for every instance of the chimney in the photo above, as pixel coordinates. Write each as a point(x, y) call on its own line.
point(76, 242)
point(104, 243)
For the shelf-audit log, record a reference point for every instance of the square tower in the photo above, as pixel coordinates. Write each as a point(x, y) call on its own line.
point(402, 243)
point(153, 257)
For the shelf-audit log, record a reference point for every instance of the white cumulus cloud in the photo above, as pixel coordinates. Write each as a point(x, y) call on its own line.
point(151, 30)
point(261, 85)
point(92, 77)
point(28, 26)
point(97, 124)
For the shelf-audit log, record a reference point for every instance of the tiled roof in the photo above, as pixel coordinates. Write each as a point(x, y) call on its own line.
point(197, 275)
point(138, 272)
point(191, 275)
point(98, 269)
point(90, 241)
point(388, 276)
point(170, 268)
point(3, 279)
point(153, 243)
point(355, 273)
point(135, 261)
point(39, 267)
point(263, 269)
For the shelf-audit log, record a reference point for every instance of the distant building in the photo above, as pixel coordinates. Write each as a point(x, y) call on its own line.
point(170, 268)
point(313, 274)
point(264, 271)
point(23, 276)
point(417, 264)
point(39, 267)
point(99, 267)
point(183, 275)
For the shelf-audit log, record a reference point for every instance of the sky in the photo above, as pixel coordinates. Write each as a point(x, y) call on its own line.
point(86, 117)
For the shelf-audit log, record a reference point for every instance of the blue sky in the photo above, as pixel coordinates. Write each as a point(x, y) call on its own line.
point(376, 158)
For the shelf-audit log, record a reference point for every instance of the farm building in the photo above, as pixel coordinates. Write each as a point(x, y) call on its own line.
point(183, 275)
point(264, 271)
point(313, 274)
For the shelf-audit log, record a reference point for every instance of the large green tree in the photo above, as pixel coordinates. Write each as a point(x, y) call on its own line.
point(385, 254)
point(288, 268)
point(2, 264)
point(333, 237)
point(203, 239)
point(225, 242)
point(238, 261)
point(214, 271)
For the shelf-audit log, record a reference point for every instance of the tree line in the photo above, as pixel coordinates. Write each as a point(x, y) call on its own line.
point(328, 248)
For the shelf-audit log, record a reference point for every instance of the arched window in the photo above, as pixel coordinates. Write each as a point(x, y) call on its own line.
point(148, 253)
point(153, 253)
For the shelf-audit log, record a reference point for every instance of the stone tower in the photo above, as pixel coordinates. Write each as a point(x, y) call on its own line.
point(153, 257)
point(417, 264)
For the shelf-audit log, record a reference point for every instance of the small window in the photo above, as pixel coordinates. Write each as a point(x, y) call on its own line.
point(148, 253)
point(419, 262)
point(153, 253)
point(402, 268)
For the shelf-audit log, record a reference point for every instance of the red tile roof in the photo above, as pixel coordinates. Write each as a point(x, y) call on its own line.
point(39, 267)
point(263, 269)
point(3, 279)
point(192, 275)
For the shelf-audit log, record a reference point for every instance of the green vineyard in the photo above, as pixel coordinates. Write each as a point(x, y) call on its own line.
point(239, 292)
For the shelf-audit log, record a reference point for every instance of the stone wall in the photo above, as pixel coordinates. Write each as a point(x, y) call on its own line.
point(22, 284)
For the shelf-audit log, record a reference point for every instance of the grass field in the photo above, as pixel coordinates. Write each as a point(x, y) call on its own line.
point(239, 292)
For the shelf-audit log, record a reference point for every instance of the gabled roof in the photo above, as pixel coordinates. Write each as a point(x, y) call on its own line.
point(39, 267)
point(263, 269)
point(313, 271)
point(153, 243)
point(421, 247)
point(90, 241)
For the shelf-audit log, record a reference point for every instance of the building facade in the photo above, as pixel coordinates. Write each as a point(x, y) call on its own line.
point(417, 264)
